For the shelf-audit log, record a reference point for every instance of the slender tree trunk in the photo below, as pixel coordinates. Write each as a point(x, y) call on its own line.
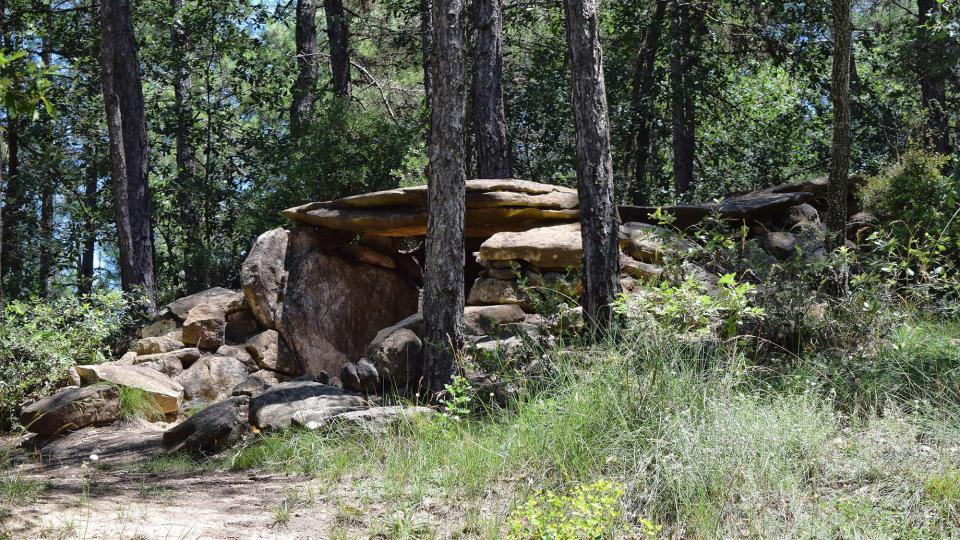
point(123, 100)
point(684, 117)
point(304, 88)
point(194, 259)
point(86, 271)
point(48, 191)
point(641, 107)
point(426, 41)
point(840, 153)
point(932, 80)
point(337, 33)
point(490, 122)
point(13, 206)
point(443, 287)
point(598, 211)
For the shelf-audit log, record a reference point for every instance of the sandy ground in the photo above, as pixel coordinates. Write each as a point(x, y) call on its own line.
point(113, 498)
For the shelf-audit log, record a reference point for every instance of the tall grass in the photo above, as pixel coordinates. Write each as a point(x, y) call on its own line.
point(702, 441)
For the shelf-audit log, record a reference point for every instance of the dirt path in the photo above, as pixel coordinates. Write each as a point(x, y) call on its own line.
point(115, 497)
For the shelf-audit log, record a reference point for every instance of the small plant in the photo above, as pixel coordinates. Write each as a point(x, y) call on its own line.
point(137, 403)
point(456, 398)
point(588, 511)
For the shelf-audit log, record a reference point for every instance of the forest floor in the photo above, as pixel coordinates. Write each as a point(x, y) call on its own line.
point(132, 492)
point(655, 439)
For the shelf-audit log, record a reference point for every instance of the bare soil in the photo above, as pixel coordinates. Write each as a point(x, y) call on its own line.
point(114, 497)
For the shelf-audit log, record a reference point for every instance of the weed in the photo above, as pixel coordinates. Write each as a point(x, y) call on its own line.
point(138, 403)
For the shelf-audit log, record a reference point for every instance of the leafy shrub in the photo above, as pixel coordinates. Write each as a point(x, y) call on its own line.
point(585, 512)
point(41, 339)
point(913, 196)
point(689, 307)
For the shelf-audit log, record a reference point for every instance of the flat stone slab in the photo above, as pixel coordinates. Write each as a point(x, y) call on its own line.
point(226, 299)
point(308, 401)
point(557, 246)
point(481, 193)
point(412, 221)
point(756, 205)
point(214, 429)
point(374, 419)
point(166, 392)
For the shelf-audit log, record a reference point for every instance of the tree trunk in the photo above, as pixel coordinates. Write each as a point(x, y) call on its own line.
point(490, 122)
point(304, 87)
point(684, 116)
point(840, 153)
point(337, 33)
point(641, 108)
point(194, 259)
point(932, 80)
point(48, 191)
point(85, 275)
point(13, 207)
point(598, 211)
point(123, 100)
point(443, 287)
point(426, 42)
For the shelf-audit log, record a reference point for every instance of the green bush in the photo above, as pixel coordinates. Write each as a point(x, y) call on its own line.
point(913, 196)
point(41, 339)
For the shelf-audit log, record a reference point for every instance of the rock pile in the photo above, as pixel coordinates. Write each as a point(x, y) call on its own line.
point(328, 312)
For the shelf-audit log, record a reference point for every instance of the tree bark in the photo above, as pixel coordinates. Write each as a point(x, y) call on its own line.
point(443, 287)
point(126, 123)
point(426, 42)
point(490, 122)
point(337, 33)
point(598, 211)
point(194, 259)
point(641, 108)
point(86, 271)
point(304, 88)
point(13, 206)
point(840, 152)
point(48, 191)
point(932, 79)
point(684, 116)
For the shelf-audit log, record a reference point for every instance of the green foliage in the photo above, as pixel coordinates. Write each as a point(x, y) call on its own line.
point(584, 512)
point(41, 339)
point(913, 196)
point(456, 398)
point(138, 403)
point(689, 307)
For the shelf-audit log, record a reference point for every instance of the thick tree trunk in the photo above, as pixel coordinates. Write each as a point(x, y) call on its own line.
point(304, 88)
point(337, 33)
point(684, 116)
point(840, 153)
point(443, 287)
point(85, 274)
point(123, 100)
point(194, 259)
point(932, 80)
point(598, 211)
point(641, 108)
point(490, 122)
